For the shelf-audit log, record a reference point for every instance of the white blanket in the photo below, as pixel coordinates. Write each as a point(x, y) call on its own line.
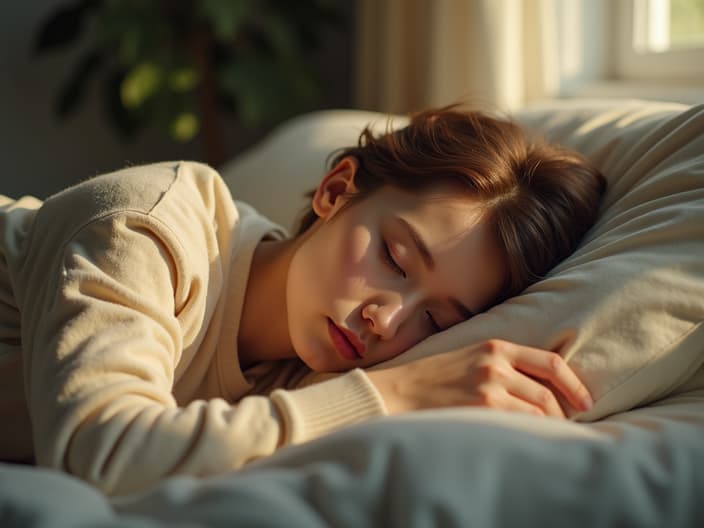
point(458, 467)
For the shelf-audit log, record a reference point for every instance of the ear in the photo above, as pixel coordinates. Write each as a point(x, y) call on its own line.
point(335, 187)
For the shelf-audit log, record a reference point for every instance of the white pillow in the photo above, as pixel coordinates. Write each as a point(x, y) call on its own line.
point(626, 308)
point(274, 175)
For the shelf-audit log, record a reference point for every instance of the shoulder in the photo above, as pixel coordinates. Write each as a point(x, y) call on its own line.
point(138, 188)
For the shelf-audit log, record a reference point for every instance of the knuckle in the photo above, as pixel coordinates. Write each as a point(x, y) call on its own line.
point(490, 371)
point(545, 397)
point(484, 372)
point(492, 346)
point(555, 363)
point(486, 397)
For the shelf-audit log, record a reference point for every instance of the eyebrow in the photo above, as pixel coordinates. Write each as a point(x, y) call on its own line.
point(429, 262)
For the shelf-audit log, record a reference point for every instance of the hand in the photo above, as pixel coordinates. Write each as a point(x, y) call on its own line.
point(495, 374)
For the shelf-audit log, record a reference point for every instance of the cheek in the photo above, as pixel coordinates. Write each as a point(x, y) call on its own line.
point(356, 258)
point(332, 269)
point(356, 248)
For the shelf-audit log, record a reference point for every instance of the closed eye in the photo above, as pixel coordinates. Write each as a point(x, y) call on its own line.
point(433, 323)
point(389, 258)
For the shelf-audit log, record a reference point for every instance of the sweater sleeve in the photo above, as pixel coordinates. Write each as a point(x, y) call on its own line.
point(320, 408)
point(106, 342)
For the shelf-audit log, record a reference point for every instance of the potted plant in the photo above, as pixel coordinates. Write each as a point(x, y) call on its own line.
point(182, 64)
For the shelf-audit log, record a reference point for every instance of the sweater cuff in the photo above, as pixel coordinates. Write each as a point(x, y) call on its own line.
point(319, 409)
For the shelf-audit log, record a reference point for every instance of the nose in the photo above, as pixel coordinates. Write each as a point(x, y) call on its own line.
point(385, 317)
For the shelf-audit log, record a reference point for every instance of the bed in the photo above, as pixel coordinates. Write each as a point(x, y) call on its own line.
point(626, 308)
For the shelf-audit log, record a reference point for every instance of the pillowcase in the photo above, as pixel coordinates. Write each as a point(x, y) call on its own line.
point(626, 308)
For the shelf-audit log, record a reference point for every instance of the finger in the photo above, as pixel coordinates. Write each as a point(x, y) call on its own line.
point(505, 401)
point(550, 366)
point(535, 393)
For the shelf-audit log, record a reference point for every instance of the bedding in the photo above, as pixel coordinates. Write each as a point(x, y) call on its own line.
point(451, 468)
point(625, 309)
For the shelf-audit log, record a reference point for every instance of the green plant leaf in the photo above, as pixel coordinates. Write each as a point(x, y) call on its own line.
point(135, 29)
point(140, 83)
point(63, 26)
point(184, 127)
point(267, 89)
point(225, 16)
point(73, 89)
point(244, 80)
point(257, 49)
point(281, 34)
point(131, 45)
point(183, 79)
point(125, 122)
point(310, 18)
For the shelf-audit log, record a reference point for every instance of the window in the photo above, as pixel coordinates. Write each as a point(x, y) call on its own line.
point(660, 40)
point(663, 25)
point(686, 23)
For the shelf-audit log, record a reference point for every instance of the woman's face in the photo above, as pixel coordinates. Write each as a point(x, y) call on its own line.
point(373, 278)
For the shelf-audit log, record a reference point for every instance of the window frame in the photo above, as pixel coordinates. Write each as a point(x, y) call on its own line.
point(635, 62)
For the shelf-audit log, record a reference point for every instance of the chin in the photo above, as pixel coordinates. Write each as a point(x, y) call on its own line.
point(317, 366)
point(320, 361)
point(311, 348)
point(313, 357)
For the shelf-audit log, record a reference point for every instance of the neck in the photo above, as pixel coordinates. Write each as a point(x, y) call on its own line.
point(263, 333)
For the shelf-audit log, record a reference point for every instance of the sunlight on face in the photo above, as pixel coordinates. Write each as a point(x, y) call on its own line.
point(385, 272)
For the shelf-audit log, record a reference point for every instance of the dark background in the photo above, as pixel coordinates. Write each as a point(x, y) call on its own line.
point(41, 155)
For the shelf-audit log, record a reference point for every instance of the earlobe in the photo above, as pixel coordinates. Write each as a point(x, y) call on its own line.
point(335, 187)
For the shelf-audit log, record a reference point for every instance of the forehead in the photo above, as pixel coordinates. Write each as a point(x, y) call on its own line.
point(443, 211)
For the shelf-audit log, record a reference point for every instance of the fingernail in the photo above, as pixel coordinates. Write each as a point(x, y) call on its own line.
point(587, 403)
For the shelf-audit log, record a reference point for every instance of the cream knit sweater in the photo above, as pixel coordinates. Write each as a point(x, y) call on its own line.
point(120, 301)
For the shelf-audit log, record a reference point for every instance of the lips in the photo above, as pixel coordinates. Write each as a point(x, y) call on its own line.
point(345, 342)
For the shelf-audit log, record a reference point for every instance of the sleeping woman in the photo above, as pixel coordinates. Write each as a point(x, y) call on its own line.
point(152, 326)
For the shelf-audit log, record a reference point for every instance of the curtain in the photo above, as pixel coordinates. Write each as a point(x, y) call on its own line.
point(411, 54)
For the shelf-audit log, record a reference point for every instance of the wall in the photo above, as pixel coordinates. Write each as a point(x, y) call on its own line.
point(583, 34)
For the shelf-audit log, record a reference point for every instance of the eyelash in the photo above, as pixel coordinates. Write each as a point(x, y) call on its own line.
point(388, 257)
point(433, 324)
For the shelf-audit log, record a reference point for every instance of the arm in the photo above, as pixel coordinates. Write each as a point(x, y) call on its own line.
point(112, 328)
point(105, 344)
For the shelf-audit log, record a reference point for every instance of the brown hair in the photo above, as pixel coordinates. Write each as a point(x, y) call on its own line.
point(539, 197)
